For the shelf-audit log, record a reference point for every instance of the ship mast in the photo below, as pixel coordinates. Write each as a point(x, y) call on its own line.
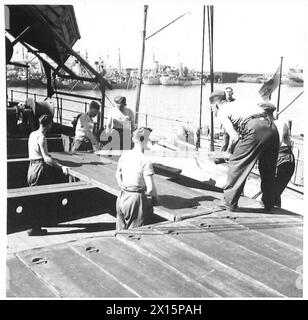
point(279, 85)
point(120, 67)
point(198, 144)
point(210, 14)
point(141, 64)
point(144, 38)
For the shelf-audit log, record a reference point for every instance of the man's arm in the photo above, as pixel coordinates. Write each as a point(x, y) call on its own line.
point(151, 188)
point(47, 158)
point(132, 120)
point(119, 175)
point(227, 124)
point(88, 132)
point(225, 143)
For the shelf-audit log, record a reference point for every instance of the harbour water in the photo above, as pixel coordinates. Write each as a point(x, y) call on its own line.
point(167, 108)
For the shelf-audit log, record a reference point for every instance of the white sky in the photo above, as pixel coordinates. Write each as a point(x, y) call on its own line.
point(248, 36)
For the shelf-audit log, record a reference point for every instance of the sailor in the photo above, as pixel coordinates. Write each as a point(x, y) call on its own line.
point(229, 94)
point(85, 140)
point(135, 177)
point(255, 137)
point(226, 138)
point(285, 162)
point(41, 162)
point(121, 119)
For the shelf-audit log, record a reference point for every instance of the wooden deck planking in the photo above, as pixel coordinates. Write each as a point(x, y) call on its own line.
point(100, 225)
point(292, 235)
point(138, 269)
point(48, 189)
point(22, 282)
point(250, 238)
point(226, 281)
point(72, 275)
point(176, 200)
point(262, 269)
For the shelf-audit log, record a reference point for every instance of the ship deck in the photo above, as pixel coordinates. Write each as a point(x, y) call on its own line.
point(200, 250)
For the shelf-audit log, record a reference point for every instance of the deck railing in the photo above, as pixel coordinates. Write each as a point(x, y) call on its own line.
point(147, 119)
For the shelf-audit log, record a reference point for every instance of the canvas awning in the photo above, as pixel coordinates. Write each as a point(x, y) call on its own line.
point(44, 23)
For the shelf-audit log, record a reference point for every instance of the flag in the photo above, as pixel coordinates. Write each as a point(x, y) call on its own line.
point(270, 85)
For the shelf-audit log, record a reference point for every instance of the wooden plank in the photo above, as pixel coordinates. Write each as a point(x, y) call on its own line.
point(250, 238)
point(72, 275)
point(137, 270)
point(262, 269)
point(289, 235)
point(22, 282)
point(176, 201)
point(48, 188)
point(94, 226)
point(225, 280)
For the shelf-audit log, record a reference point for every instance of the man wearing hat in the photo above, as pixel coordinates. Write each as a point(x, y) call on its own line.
point(255, 137)
point(85, 140)
point(121, 119)
point(135, 177)
point(39, 171)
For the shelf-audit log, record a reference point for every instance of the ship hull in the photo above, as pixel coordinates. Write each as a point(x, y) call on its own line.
point(151, 81)
point(166, 81)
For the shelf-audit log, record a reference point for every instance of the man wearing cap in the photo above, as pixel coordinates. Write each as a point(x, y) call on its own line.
point(85, 140)
point(135, 177)
point(255, 137)
point(121, 119)
point(39, 171)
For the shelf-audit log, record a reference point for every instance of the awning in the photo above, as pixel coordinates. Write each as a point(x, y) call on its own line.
point(45, 22)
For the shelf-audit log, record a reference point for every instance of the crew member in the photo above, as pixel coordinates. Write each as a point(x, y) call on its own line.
point(135, 177)
point(122, 120)
point(255, 137)
point(226, 138)
point(229, 94)
point(41, 162)
point(285, 162)
point(85, 140)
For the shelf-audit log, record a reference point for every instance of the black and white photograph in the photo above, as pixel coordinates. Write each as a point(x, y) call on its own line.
point(153, 150)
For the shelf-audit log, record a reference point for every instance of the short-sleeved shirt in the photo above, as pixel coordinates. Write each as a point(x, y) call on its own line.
point(33, 146)
point(134, 166)
point(121, 120)
point(284, 133)
point(238, 113)
point(84, 122)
